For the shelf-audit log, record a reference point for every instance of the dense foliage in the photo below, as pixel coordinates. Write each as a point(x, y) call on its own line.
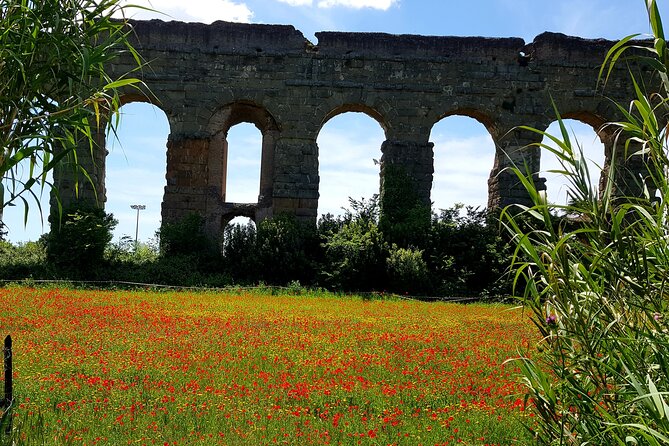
point(462, 254)
point(75, 246)
point(598, 286)
point(26, 260)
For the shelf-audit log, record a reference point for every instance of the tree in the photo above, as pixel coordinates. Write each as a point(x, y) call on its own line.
point(55, 89)
point(597, 288)
point(77, 246)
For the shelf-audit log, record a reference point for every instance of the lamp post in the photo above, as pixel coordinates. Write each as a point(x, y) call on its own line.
point(138, 207)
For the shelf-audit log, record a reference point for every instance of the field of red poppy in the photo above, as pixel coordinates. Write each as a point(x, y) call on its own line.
point(242, 368)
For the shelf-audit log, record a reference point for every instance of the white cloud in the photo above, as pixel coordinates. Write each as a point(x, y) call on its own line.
point(205, 11)
point(383, 5)
point(297, 2)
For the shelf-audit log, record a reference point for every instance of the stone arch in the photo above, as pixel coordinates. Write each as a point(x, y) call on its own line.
point(356, 108)
point(238, 211)
point(218, 126)
point(339, 179)
point(593, 119)
point(148, 98)
point(129, 97)
point(492, 131)
point(469, 112)
point(605, 135)
point(483, 134)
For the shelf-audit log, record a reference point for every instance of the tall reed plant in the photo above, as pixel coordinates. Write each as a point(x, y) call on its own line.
point(595, 279)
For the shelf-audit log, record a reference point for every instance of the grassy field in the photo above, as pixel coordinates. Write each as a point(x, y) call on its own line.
point(104, 367)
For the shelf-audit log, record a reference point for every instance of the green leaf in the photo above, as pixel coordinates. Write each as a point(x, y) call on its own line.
point(660, 405)
point(120, 83)
point(613, 55)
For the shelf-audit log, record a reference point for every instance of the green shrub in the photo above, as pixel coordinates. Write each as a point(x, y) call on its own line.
point(466, 254)
point(328, 224)
point(76, 245)
point(282, 250)
point(462, 253)
point(25, 260)
point(178, 269)
point(185, 237)
point(355, 257)
point(407, 271)
point(187, 240)
point(239, 252)
point(404, 219)
point(278, 251)
point(127, 251)
point(363, 210)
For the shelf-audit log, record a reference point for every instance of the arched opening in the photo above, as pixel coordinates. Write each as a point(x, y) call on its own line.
point(241, 162)
point(464, 155)
point(239, 224)
point(135, 170)
point(580, 134)
point(244, 157)
point(349, 151)
point(241, 221)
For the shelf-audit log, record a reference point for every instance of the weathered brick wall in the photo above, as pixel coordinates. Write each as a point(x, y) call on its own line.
point(209, 77)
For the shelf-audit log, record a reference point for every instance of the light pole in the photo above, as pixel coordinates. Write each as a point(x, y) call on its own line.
point(138, 207)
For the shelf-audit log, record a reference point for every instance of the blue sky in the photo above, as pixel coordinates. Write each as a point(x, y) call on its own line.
point(463, 149)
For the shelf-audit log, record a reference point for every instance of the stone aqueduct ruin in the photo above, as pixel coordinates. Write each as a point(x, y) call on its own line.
point(207, 78)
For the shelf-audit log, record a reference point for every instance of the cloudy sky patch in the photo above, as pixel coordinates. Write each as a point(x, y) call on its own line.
point(204, 11)
point(297, 2)
point(383, 5)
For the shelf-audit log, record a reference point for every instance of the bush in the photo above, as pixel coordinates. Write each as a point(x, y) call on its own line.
point(466, 253)
point(407, 271)
point(404, 218)
point(179, 270)
point(239, 252)
point(27, 260)
point(187, 240)
point(127, 251)
point(282, 251)
point(184, 237)
point(355, 257)
point(76, 245)
point(461, 254)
